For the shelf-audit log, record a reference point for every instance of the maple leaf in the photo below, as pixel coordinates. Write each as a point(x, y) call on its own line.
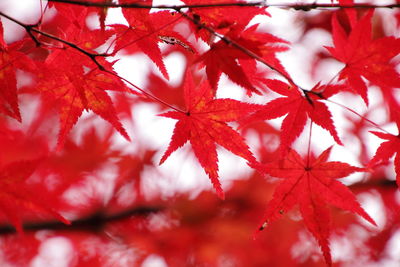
point(298, 105)
point(387, 149)
point(75, 89)
point(223, 57)
point(165, 91)
point(221, 19)
point(70, 24)
point(91, 153)
point(102, 13)
point(364, 57)
point(11, 60)
point(146, 30)
point(351, 12)
point(311, 183)
point(15, 195)
point(205, 125)
point(3, 44)
point(78, 84)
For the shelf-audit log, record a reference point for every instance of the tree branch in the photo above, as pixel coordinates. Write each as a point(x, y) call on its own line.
point(300, 7)
point(373, 184)
point(95, 222)
point(144, 6)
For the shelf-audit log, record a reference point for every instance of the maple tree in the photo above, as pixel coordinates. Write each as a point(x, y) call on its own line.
point(94, 162)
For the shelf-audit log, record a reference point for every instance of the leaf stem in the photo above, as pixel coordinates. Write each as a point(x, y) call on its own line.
point(359, 115)
point(144, 92)
point(309, 144)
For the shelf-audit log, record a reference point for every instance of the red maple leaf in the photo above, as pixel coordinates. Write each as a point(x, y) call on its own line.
point(298, 105)
point(221, 19)
point(15, 196)
point(91, 153)
point(70, 24)
point(311, 183)
point(146, 30)
point(387, 149)
point(223, 57)
point(205, 125)
point(364, 57)
point(11, 60)
point(351, 12)
point(75, 89)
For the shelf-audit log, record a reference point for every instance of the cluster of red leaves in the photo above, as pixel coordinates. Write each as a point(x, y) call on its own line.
point(222, 234)
point(69, 70)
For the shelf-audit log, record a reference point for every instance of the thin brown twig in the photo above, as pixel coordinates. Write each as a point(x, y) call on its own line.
point(299, 7)
point(143, 91)
point(357, 114)
point(32, 28)
point(146, 6)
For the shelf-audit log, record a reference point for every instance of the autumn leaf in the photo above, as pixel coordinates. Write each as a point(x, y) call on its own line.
point(8, 83)
point(387, 149)
point(15, 196)
point(71, 77)
point(71, 25)
point(86, 157)
point(223, 57)
point(10, 61)
point(363, 56)
point(75, 89)
point(298, 106)
point(146, 30)
point(351, 12)
point(311, 184)
point(102, 13)
point(221, 19)
point(205, 124)
point(3, 44)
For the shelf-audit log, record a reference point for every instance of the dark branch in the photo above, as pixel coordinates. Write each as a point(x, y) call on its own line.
point(144, 6)
point(300, 7)
point(374, 184)
point(30, 29)
point(94, 223)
